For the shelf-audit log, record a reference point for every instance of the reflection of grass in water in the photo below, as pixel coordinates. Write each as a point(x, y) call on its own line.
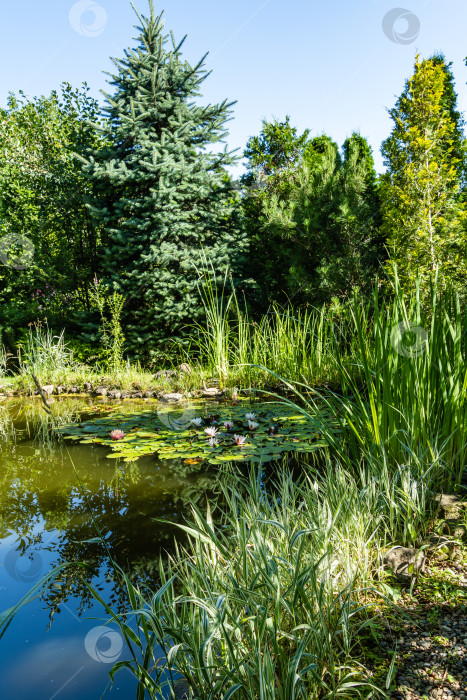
point(39, 425)
point(28, 419)
point(7, 428)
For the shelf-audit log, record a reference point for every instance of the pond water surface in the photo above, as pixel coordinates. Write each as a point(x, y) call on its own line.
point(48, 490)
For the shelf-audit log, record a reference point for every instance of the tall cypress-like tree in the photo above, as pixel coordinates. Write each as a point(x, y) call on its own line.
point(424, 217)
point(164, 199)
point(273, 159)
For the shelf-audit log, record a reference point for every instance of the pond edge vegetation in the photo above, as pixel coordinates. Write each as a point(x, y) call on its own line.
point(273, 592)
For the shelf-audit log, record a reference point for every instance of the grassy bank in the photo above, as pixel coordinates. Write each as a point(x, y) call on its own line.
point(230, 347)
point(48, 357)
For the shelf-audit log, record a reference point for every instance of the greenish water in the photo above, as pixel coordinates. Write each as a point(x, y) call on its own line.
point(48, 490)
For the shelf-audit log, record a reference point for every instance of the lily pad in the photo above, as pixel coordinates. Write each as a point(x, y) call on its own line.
point(280, 429)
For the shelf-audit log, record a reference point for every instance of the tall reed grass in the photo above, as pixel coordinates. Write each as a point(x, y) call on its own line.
point(46, 355)
point(302, 345)
point(405, 408)
point(269, 599)
point(3, 362)
point(392, 371)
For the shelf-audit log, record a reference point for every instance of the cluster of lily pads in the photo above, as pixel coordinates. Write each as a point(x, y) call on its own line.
point(228, 433)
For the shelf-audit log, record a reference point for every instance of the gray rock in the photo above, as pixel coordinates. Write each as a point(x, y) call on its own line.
point(450, 505)
point(114, 394)
point(72, 390)
point(149, 394)
point(168, 398)
point(88, 387)
point(455, 529)
point(101, 391)
point(185, 368)
point(210, 392)
point(60, 389)
point(48, 390)
point(165, 373)
point(405, 562)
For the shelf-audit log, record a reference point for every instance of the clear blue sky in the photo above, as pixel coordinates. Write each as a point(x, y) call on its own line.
point(327, 64)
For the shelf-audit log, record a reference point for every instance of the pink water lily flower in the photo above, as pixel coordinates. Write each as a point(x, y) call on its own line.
point(117, 434)
point(250, 416)
point(239, 440)
point(228, 424)
point(213, 442)
point(252, 425)
point(210, 432)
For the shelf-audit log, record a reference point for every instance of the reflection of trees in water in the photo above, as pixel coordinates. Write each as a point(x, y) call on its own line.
point(39, 487)
point(129, 515)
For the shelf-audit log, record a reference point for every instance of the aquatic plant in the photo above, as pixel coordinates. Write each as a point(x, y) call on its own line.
point(146, 433)
point(236, 349)
point(239, 440)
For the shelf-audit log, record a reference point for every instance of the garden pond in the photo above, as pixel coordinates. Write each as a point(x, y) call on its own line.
point(53, 491)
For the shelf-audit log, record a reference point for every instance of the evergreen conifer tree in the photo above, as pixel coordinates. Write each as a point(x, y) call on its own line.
point(317, 223)
point(164, 199)
point(424, 216)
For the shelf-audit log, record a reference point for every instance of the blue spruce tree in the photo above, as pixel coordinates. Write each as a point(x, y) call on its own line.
point(163, 198)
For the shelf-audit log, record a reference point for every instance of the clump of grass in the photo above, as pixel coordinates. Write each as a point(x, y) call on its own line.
point(44, 354)
point(403, 410)
point(271, 598)
point(302, 345)
point(48, 357)
point(3, 362)
point(262, 603)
